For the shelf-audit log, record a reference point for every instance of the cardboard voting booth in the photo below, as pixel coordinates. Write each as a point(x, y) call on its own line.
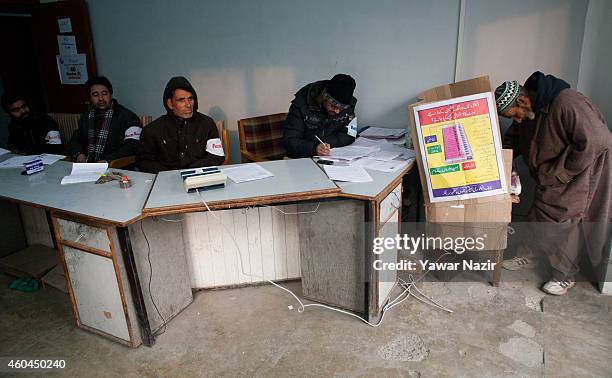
point(464, 171)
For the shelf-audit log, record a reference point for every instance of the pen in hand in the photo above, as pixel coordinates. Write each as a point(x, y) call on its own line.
point(322, 150)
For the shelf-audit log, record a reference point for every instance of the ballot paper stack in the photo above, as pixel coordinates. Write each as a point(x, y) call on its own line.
point(394, 136)
point(349, 163)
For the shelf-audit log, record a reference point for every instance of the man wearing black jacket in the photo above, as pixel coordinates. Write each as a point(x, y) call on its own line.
point(30, 134)
point(182, 138)
point(107, 131)
point(318, 117)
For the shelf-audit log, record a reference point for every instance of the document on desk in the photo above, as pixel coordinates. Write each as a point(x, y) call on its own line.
point(18, 161)
point(246, 172)
point(85, 172)
point(49, 159)
point(348, 153)
point(348, 173)
point(3, 151)
point(380, 165)
point(382, 132)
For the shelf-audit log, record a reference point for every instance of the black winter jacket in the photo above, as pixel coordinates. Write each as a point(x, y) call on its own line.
point(117, 146)
point(170, 143)
point(29, 136)
point(307, 118)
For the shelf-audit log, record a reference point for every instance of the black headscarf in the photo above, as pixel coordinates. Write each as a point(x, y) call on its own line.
point(546, 88)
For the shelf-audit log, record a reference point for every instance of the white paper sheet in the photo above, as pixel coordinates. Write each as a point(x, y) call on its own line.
point(17, 161)
point(347, 173)
point(246, 172)
point(49, 159)
point(384, 155)
point(382, 132)
point(349, 153)
point(85, 172)
point(3, 151)
point(379, 165)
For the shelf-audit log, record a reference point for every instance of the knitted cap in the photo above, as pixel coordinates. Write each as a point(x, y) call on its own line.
point(340, 88)
point(506, 95)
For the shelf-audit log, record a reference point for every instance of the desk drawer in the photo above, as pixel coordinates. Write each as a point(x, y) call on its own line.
point(391, 203)
point(90, 236)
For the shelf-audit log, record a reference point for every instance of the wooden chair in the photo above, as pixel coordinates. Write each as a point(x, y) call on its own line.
point(130, 161)
point(68, 123)
point(225, 140)
point(261, 138)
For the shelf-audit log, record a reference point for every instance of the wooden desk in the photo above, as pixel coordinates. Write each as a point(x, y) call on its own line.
point(97, 231)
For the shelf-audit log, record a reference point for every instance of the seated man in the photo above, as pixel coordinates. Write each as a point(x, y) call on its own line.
point(182, 138)
point(108, 131)
point(30, 134)
point(318, 117)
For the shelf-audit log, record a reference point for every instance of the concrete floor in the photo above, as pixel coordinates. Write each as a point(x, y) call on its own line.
point(513, 330)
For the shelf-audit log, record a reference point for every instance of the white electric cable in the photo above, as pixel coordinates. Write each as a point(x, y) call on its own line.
point(303, 306)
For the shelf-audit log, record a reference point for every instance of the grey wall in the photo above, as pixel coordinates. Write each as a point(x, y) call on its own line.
point(248, 58)
point(509, 40)
point(595, 79)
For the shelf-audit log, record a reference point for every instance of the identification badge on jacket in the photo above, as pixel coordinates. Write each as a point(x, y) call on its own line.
point(53, 137)
point(215, 147)
point(352, 128)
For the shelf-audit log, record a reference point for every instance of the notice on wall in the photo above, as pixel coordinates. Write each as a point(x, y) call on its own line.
point(460, 147)
point(66, 45)
point(64, 25)
point(72, 69)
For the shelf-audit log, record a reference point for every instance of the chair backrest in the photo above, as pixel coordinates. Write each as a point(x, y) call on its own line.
point(263, 136)
point(225, 140)
point(145, 119)
point(68, 123)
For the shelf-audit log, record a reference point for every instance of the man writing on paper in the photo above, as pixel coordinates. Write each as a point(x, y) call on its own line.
point(318, 118)
point(107, 131)
point(30, 134)
point(182, 138)
point(566, 144)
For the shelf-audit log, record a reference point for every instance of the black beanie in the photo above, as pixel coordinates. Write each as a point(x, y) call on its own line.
point(341, 88)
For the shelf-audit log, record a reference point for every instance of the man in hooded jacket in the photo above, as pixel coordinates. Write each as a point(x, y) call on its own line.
point(182, 138)
point(566, 144)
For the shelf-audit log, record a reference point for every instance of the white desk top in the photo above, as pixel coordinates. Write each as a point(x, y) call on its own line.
point(292, 178)
point(369, 190)
point(103, 201)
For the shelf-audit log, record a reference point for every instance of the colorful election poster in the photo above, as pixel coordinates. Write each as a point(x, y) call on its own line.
point(460, 148)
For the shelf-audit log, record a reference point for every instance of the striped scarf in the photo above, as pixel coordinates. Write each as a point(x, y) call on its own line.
point(95, 148)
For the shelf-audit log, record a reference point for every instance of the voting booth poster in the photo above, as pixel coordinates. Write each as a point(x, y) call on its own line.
point(460, 148)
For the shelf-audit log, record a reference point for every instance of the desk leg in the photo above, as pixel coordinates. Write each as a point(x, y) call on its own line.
point(148, 338)
point(499, 257)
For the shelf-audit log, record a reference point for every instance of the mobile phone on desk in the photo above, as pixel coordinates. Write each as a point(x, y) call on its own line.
point(325, 162)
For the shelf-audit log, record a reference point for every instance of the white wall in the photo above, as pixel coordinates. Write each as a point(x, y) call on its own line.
point(248, 58)
point(595, 79)
point(509, 40)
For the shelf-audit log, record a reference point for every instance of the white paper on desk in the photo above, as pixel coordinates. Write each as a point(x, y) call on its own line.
point(349, 152)
point(49, 159)
point(3, 151)
point(384, 155)
point(349, 173)
point(85, 172)
point(382, 132)
point(246, 172)
point(379, 165)
point(17, 161)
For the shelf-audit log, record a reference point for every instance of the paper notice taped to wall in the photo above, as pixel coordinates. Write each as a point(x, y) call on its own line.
point(72, 69)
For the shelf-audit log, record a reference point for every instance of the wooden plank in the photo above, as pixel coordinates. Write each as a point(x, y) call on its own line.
point(56, 278)
point(280, 248)
point(267, 243)
point(229, 249)
point(215, 231)
point(254, 241)
point(35, 260)
point(292, 242)
point(243, 258)
point(35, 226)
